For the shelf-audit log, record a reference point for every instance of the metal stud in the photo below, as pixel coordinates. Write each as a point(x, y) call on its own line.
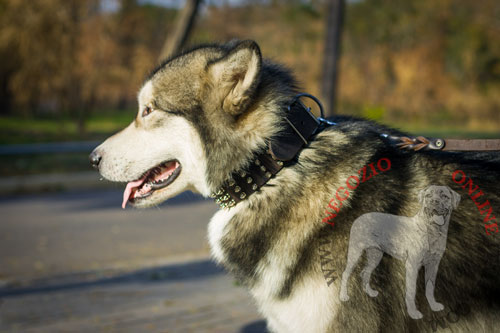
point(219, 192)
point(254, 187)
point(249, 180)
point(280, 163)
point(257, 162)
point(243, 173)
point(268, 174)
point(263, 168)
point(243, 195)
point(231, 182)
point(237, 189)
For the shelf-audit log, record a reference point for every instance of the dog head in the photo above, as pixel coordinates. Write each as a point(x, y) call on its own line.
point(201, 116)
point(438, 202)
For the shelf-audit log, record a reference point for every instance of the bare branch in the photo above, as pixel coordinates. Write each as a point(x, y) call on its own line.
point(182, 30)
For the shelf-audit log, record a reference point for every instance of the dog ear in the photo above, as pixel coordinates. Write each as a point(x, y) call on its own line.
point(236, 76)
point(455, 197)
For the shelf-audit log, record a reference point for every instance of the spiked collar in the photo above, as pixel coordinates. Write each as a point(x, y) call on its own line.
point(300, 125)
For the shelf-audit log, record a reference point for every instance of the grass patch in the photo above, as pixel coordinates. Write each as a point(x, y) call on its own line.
point(16, 165)
point(34, 130)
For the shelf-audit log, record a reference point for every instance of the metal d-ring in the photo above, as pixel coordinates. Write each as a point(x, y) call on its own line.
point(316, 100)
point(298, 96)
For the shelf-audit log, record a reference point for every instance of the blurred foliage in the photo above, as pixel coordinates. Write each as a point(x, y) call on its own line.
point(416, 62)
point(434, 61)
point(70, 57)
point(373, 112)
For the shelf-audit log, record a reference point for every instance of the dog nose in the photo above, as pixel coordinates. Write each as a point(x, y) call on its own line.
point(95, 158)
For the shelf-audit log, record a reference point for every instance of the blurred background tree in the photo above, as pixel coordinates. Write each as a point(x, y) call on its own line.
point(68, 58)
point(411, 63)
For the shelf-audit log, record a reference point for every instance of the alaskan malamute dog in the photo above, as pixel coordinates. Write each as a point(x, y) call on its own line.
point(205, 123)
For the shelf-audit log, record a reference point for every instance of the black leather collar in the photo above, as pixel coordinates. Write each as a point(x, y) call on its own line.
point(300, 125)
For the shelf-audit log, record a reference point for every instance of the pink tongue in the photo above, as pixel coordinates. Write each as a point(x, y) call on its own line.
point(128, 190)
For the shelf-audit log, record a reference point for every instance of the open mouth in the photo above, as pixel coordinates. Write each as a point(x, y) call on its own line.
point(153, 180)
point(439, 211)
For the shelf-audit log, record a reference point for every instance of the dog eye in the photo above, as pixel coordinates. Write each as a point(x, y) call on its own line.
point(147, 110)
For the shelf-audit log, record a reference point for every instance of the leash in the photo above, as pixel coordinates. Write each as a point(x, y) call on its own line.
point(414, 143)
point(423, 143)
point(299, 128)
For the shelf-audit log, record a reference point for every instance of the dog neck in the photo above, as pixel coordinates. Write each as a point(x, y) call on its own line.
point(299, 128)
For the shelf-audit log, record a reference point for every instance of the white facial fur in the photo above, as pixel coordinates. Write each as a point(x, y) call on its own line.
point(127, 155)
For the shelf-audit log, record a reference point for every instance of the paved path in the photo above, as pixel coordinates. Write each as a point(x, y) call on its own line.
point(76, 262)
point(55, 182)
point(61, 233)
point(189, 297)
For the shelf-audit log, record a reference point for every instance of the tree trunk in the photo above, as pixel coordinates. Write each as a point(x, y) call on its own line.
point(331, 54)
point(182, 29)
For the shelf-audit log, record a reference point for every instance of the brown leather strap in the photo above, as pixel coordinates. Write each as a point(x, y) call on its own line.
point(423, 143)
point(470, 144)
